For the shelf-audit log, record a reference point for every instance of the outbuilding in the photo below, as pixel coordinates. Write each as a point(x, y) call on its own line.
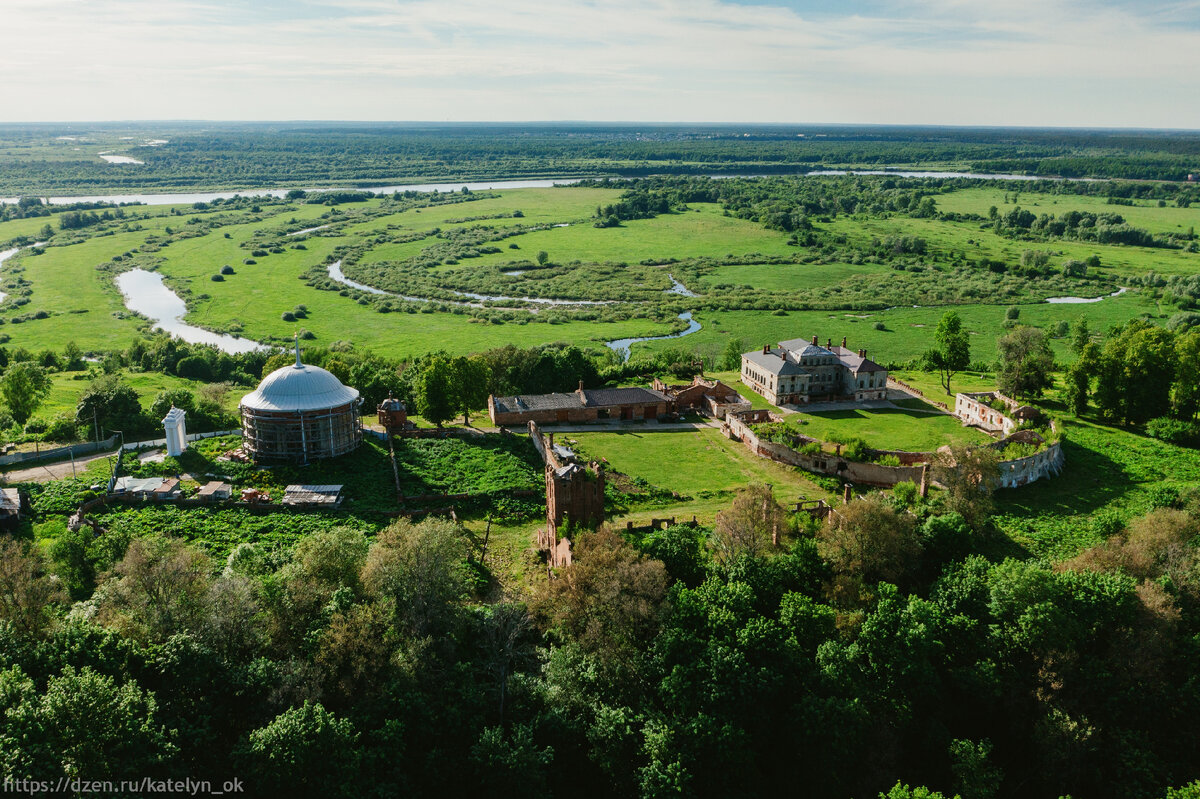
point(300, 413)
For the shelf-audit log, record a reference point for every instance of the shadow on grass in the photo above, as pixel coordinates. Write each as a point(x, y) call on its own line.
point(1089, 481)
point(861, 414)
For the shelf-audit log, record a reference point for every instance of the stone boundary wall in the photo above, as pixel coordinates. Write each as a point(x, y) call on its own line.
point(1046, 462)
point(918, 392)
point(737, 427)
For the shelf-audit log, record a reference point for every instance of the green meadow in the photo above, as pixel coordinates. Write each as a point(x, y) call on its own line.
point(908, 429)
point(700, 463)
point(907, 333)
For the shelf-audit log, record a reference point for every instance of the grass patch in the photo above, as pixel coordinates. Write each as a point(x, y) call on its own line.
point(701, 464)
point(1107, 470)
point(888, 428)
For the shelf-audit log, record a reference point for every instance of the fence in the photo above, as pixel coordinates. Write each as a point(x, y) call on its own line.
point(58, 453)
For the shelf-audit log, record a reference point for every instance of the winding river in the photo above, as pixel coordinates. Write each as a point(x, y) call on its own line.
point(1080, 300)
point(4, 256)
point(188, 198)
point(146, 294)
point(622, 345)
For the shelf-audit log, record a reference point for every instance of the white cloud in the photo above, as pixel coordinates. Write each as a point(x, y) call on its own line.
point(939, 61)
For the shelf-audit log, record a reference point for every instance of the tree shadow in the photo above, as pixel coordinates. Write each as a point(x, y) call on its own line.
point(1090, 480)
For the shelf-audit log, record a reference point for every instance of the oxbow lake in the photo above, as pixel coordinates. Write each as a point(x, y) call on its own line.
point(146, 294)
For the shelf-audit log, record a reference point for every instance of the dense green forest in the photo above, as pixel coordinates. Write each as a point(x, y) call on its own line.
point(63, 158)
point(891, 645)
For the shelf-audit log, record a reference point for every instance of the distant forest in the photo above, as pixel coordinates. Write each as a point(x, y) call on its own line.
point(42, 159)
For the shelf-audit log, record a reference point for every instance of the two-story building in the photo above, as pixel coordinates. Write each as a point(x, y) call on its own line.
point(800, 371)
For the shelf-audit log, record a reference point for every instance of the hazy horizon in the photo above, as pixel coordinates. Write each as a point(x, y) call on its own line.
point(1057, 63)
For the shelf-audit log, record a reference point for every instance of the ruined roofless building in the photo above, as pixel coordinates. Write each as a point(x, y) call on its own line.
point(300, 413)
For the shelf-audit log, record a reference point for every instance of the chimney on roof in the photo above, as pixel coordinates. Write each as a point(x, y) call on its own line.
point(864, 355)
point(814, 341)
point(766, 349)
point(843, 342)
point(582, 396)
point(828, 343)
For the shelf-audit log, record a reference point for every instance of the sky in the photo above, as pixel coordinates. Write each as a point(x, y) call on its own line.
point(1098, 63)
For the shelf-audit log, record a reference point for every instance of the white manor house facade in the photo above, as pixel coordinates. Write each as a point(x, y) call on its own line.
point(801, 371)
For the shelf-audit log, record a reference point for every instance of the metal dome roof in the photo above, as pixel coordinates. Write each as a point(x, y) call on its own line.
point(299, 387)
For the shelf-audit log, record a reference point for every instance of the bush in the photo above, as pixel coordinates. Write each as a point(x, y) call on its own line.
point(217, 278)
point(259, 253)
point(1013, 313)
point(288, 316)
point(1174, 431)
point(62, 429)
point(227, 270)
point(879, 326)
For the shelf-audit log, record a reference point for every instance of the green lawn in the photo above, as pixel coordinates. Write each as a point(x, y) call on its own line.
point(702, 464)
point(888, 428)
point(929, 384)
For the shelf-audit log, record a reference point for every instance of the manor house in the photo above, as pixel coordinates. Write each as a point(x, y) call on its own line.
point(800, 371)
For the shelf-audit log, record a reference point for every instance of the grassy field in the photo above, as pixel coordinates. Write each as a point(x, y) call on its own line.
point(702, 231)
point(67, 386)
point(1108, 471)
point(699, 463)
point(906, 429)
point(947, 238)
point(1144, 213)
point(907, 333)
point(789, 277)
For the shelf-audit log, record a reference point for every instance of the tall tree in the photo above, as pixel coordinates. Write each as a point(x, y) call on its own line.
point(1136, 372)
point(1079, 378)
point(1186, 394)
point(953, 351)
point(1025, 362)
point(468, 384)
point(434, 390)
point(752, 524)
point(24, 386)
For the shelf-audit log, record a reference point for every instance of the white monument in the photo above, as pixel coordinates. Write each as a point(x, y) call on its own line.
point(176, 430)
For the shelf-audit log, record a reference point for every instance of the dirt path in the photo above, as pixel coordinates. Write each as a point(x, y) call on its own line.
point(46, 472)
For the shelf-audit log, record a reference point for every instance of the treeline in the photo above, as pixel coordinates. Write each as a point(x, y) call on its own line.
point(259, 156)
point(1105, 228)
point(891, 645)
point(1141, 373)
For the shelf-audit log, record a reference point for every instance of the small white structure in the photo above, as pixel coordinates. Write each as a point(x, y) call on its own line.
point(176, 430)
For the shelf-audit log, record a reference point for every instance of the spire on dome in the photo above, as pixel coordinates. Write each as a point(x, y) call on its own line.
point(298, 364)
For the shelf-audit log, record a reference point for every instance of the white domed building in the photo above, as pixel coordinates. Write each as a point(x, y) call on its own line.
point(300, 413)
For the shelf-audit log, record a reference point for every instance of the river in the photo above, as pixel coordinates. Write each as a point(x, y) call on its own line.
point(1080, 300)
point(4, 256)
point(898, 173)
point(146, 294)
point(187, 198)
point(622, 345)
point(207, 197)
